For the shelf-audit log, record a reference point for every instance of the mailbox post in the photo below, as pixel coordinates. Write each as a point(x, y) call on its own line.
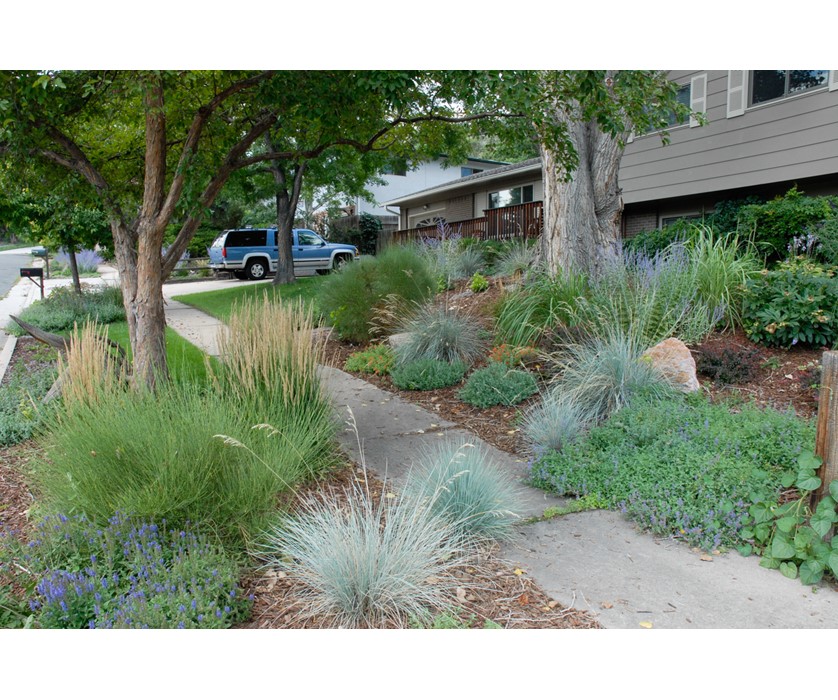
point(42, 252)
point(36, 274)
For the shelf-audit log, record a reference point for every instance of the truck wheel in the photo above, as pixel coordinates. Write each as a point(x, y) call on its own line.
point(257, 269)
point(339, 262)
point(240, 274)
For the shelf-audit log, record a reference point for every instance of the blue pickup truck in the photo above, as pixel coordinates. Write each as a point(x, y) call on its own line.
point(252, 253)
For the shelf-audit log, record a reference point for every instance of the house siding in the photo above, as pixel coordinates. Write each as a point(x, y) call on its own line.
point(783, 140)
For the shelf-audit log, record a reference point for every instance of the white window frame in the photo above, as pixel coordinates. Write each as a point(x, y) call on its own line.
point(691, 215)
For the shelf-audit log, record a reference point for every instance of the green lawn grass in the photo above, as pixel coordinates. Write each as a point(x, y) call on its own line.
point(219, 303)
point(186, 362)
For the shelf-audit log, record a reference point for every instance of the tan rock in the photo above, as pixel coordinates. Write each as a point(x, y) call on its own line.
point(673, 360)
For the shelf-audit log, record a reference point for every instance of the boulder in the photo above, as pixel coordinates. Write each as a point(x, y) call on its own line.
point(673, 360)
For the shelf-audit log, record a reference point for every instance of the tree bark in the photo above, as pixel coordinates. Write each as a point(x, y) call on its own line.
point(74, 270)
point(287, 194)
point(582, 214)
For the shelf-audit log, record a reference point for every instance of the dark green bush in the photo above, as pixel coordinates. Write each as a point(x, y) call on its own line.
point(427, 374)
point(350, 298)
point(497, 384)
point(775, 223)
point(796, 303)
point(650, 242)
point(365, 237)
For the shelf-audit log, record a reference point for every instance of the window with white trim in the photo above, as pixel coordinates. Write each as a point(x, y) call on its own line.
point(767, 85)
point(510, 197)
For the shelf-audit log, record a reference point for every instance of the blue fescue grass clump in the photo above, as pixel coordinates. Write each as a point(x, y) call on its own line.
point(684, 468)
point(129, 574)
point(463, 485)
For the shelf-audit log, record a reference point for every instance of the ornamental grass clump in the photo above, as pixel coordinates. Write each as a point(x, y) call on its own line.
point(361, 563)
point(127, 574)
point(441, 333)
point(64, 308)
point(555, 422)
point(498, 384)
point(606, 373)
point(463, 485)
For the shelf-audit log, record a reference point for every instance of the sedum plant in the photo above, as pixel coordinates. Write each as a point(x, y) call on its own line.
point(427, 374)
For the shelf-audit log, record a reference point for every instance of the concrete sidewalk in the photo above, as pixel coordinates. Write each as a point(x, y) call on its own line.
point(595, 561)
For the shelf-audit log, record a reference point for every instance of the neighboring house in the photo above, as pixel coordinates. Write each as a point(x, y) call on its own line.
point(497, 203)
point(401, 182)
point(765, 131)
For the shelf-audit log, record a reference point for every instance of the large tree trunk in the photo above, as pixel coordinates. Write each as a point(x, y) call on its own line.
point(582, 214)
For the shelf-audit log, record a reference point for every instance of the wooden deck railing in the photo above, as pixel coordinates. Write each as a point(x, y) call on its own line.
point(519, 221)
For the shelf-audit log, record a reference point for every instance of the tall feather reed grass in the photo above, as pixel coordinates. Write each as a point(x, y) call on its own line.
point(91, 367)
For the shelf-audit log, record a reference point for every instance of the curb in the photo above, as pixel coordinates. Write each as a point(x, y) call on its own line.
point(6, 355)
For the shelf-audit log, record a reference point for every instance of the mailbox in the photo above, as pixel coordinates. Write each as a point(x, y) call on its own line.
point(39, 252)
point(31, 272)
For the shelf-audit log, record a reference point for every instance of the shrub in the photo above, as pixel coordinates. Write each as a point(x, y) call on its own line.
point(728, 365)
point(126, 574)
point(555, 422)
point(650, 243)
point(427, 374)
point(440, 333)
point(497, 384)
point(64, 308)
point(87, 261)
point(775, 223)
point(365, 237)
point(378, 360)
point(606, 373)
point(350, 298)
point(827, 235)
point(680, 467)
point(461, 484)
point(363, 564)
point(649, 298)
point(478, 283)
point(793, 304)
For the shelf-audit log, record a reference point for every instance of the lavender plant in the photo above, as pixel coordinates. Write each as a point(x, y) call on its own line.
point(87, 261)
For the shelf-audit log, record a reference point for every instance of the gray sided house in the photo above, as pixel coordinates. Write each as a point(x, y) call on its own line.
point(764, 132)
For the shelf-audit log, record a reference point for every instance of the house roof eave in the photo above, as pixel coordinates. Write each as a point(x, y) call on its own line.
point(527, 166)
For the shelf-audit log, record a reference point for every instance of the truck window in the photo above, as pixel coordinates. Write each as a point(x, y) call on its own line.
point(247, 238)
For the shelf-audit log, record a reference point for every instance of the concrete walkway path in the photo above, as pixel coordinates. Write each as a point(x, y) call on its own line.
point(595, 561)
